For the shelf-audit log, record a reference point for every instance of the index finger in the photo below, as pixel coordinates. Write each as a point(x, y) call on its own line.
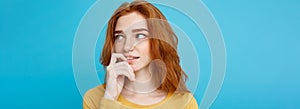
point(115, 56)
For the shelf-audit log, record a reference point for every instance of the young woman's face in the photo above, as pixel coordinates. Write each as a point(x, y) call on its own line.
point(131, 40)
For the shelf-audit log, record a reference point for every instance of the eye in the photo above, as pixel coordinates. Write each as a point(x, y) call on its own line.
point(119, 37)
point(140, 36)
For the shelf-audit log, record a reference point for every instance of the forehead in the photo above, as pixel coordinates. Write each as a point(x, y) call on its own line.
point(130, 21)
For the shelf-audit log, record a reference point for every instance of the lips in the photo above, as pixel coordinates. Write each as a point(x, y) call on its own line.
point(131, 59)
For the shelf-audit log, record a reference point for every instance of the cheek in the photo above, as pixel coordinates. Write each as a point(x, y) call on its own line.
point(117, 48)
point(145, 49)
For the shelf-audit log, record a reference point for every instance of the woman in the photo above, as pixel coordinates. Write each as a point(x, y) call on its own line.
point(142, 63)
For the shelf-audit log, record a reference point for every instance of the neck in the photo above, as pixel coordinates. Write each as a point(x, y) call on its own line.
point(143, 74)
point(144, 82)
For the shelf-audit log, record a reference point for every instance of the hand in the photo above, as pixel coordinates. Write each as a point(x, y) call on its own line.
point(115, 76)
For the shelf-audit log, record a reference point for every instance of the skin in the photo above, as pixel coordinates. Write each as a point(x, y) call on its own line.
point(129, 65)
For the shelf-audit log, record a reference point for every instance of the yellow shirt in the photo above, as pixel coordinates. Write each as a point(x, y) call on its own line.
point(93, 99)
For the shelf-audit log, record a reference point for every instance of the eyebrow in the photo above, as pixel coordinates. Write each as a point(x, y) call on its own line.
point(140, 29)
point(134, 30)
point(118, 32)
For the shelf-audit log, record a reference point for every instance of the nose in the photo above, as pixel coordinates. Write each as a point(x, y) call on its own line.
point(129, 45)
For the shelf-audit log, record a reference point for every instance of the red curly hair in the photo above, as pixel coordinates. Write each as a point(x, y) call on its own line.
point(163, 44)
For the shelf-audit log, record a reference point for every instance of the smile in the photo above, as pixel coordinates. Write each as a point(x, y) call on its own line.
point(132, 59)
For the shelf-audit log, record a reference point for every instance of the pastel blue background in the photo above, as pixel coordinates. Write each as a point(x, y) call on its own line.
point(260, 36)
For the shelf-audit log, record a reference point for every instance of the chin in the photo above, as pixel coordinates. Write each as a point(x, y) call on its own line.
point(136, 68)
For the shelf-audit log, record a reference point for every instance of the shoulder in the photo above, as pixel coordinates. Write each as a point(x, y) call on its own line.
point(191, 102)
point(187, 99)
point(182, 100)
point(182, 96)
point(95, 91)
point(93, 96)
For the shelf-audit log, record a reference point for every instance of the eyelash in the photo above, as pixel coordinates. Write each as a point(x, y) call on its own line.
point(137, 36)
point(118, 36)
